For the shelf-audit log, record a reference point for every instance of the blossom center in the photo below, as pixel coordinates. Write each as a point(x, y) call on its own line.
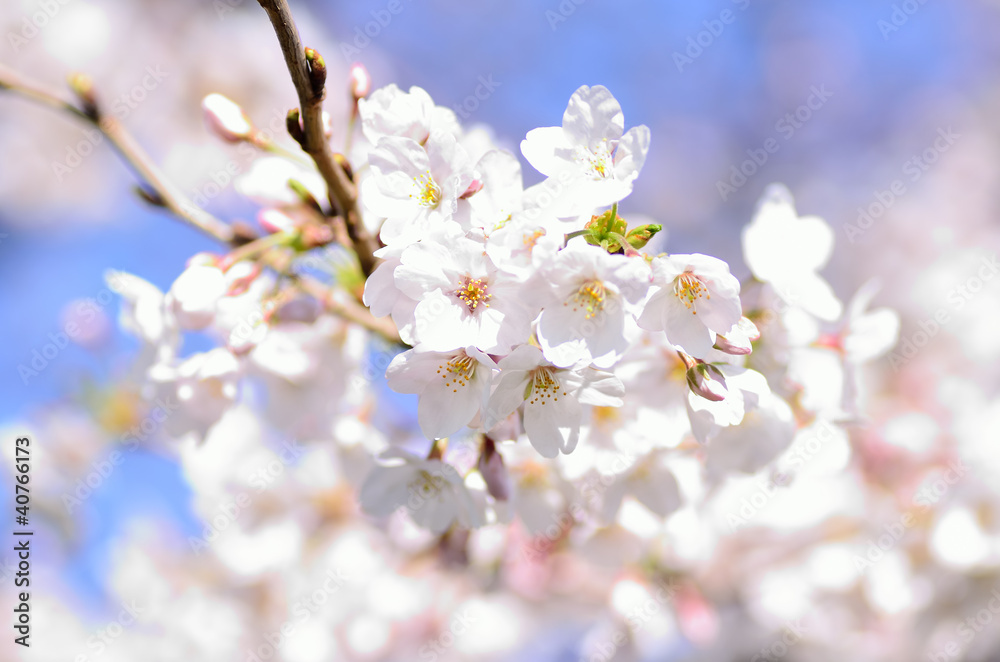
point(590, 297)
point(427, 485)
point(430, 192)
point(542, 386)
point(598, 161)
point(528, 242)
point(458, 371)
point(474, 292)
point(689, 288)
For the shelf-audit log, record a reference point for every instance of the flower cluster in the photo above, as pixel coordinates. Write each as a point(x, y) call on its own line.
point(535, 317)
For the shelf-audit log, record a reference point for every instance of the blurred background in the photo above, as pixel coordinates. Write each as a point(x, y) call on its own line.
point(885, 117)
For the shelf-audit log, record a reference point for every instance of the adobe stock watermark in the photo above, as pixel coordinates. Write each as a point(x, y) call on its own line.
point(224, 7)
point(791, 635)
point(698, 43)
point(458, 626)
point(101, 470)
point(635, 621)
point(365, 34)
point(99, 642)
point(222, 178)
point(957, 297)
point(470, 104)
point(913, 169)
point(230, 509)
point(923, 500)
point(590, 490)
point(34, 23)
point(786, 127)
point(803, 450)
point(968, 629)
point(85, 312)
point(562, 13)
point(120, 108)
point(333, 581)
point(900, 16)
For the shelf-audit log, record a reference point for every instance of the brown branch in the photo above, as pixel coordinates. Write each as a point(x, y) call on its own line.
point(165, 193)
point(308, 72)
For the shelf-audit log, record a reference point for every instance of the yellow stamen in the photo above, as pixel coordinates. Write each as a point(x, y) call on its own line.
point(473, 292)
point(542, 386)
point(590, 297)
point(689, 288)
point(458, 371)
point(430, 195)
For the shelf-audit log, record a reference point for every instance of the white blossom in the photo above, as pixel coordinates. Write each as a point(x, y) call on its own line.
point(553, 398)
point(694, 299)
point(600, 160)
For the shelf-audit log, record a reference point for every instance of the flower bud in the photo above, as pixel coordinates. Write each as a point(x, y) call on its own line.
point(361, 81)
point(294, 125)
point(475, 187)
point(640, 236)
point(345, 164)
point(317, 70)
point(707, 381)
point(327, 124)
point(494, 472)
point(83, 87)
point(275, 220)
point(226, 119)
point(737, 340)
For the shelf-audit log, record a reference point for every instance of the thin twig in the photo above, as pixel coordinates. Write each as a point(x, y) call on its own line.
point(308, 75)
point(166, 194)
point(171, 198)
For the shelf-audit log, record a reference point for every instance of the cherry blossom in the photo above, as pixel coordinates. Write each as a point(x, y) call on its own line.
point(453, 386)
point(601, 160)
point(431, 491)
point(462, 298)
point(694, 299)
point(591, 295)
point(786, 250)
point(552, 398)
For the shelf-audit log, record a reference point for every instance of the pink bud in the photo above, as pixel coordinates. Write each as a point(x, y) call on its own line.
point(708, 382)
point(475, 187)
point(494, 472)
point(737, 340)
point(226, 119)
point(327, 125)
point(361, 81)
point(736, 345)
point(274, 221)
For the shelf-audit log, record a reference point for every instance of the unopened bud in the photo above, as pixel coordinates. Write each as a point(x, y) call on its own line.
point(327, 124)
point(475, 187)
point(737, 340)
point(494, 472)
point(345, 164)
point(317, 71)
point(304, 194)
point(294, 125)
point(83, 87)
point(361, 81)
point(226, 119)
point(275, 220)
point(707, 381)
point(640, 236)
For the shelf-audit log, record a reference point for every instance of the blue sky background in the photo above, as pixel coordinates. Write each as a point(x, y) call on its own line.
point(890, 92)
